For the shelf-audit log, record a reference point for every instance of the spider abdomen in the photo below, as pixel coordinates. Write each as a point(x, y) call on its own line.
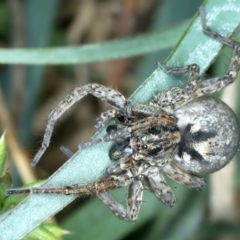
point(210, 135)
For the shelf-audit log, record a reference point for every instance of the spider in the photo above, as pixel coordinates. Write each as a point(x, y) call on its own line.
point(182, 133)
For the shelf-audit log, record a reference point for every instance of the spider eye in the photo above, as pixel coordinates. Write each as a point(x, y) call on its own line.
point(145, 146)
point(144, 138)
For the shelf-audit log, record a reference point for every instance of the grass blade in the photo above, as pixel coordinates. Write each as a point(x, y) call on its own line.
point(111, 50)
point(86, 166)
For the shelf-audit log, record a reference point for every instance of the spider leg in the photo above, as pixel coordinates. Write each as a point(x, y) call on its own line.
point(121, 178)
point(134, 200)
point(173, 98)
point(176, 97)
point(211, 33)
point(135, 194)
point(108, 95)
point(160, 187)
point(193, 77)
point(83, 189)
point(183, 178)
point(104, 117)
point(218, 83)
point(66, 151)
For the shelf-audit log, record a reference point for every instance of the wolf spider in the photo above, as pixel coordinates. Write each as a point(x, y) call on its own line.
point(181, 133)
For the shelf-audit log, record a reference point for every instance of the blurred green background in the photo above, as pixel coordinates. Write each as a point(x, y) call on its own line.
point(29, 92)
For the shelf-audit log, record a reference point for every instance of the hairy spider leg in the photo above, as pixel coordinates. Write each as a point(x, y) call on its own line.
point(183, 178)
point(213, 34)
point(218, 83)
point(175, 97)
point(112, 97)
point(160, 187)
point(108, 95)
point(155, 183)
point(134, 201)
point(193, 75)
point(135, 179)
point(104, 117)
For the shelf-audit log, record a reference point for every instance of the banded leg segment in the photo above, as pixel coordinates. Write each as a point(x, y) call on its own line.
point(86, 189)
point(134, 200)
point(135, 194)
point(104, 117)
point(218, 83)
point(183, 178)
point(213, 34)
point(160, 187)
point(121, 178)
point(193, 75)
point(175, 97)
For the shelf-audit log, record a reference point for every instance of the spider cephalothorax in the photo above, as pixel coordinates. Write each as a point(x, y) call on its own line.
point(182, 134)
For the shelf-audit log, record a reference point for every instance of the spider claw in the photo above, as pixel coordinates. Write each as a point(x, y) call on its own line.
point(14, 191)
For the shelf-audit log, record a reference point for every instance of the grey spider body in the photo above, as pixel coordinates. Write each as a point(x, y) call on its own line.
point(201, 137)
point(210, 135)
point(153, 139)
point(182, 133)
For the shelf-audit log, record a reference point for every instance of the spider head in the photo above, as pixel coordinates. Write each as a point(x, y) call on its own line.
point(156, 141)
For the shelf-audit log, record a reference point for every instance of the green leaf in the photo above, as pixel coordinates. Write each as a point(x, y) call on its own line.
point(11, 201)
point(46, 231)
point(87, 166)
point(218, 230)
point(166, 14)
point(55, 230)
point(5, 20)
point(96, 216)
point(38, 30)
point(5, 183)
point(111, 50)
point(3, 153)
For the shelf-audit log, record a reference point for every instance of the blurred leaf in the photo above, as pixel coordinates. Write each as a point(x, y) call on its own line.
point(95, 216)
point(166, 14)
point(3, 153)
point(47, 232)
point(169, 224)
point(10, 201)
point(5, 183)
point(38, 30)
point(111, 50)
point(86, 166)
point(56, 230)
point(218, 230)
point(5, 20)
point(187, 219)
